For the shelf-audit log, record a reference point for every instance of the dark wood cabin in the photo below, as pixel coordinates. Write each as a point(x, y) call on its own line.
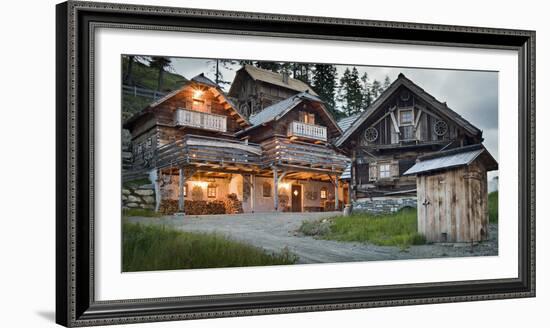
point(384, 141)
point(452, 194)
point(195, 146)
point(254, 89)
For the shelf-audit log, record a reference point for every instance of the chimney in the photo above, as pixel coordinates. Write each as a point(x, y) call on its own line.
point(285, 77)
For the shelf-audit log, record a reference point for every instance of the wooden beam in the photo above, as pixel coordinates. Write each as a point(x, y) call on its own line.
point(336, 193)
point(418, 118)
point(252, 192)
point(394, 123)
point(181, 198)
point(275, 189)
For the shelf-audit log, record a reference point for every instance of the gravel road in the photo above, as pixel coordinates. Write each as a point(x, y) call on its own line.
point(275, 231)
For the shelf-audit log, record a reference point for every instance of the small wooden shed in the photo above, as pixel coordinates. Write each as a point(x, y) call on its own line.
point(452, 194)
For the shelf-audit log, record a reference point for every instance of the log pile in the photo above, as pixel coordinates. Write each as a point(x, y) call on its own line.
point(193, 207)
point(233, 205)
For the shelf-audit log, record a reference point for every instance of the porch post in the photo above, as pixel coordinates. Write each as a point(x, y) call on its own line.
point(275, 189)
point(336, 193)
point(349, 192)
point(252, 191)
point(181, 199)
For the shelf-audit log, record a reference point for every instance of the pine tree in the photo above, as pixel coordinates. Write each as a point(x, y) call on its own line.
point(163, 64)
point(301, 71)
point(350, 94)
point(324, 84)
point(365, 88)
point(387, 83)
point(217, 66)
point(376, 89)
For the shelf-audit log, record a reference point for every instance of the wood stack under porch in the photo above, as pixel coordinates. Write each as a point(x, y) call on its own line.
point(268, 190)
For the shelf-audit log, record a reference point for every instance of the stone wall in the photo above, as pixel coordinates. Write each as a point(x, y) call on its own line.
point(381, 205)
point(138, 196)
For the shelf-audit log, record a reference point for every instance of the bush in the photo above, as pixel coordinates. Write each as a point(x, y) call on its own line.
point(493, 207)
point(153, 247)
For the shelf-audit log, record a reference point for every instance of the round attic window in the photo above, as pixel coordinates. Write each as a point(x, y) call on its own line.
point(440, 128)
point(371, 134)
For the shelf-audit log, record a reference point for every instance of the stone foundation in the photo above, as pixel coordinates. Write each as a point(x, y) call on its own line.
point(382, 205)
point(142, 196)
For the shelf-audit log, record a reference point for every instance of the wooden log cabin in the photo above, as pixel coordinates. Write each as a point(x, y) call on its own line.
point(197, 146)
point(452, 194)
point(384, 141)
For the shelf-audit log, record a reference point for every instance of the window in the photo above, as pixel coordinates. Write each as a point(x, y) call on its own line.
point(308, 118)
point(211, 191)
point(266, 189)
point(185, 190)
point(406, 117)
point(199, 105)
point(384, 171)
point(324, 193)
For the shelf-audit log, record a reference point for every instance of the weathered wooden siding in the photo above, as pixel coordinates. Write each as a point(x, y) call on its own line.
point(452, 205)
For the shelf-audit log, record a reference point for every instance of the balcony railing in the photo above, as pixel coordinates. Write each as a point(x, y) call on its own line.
point(305, 130)
point(200, 120)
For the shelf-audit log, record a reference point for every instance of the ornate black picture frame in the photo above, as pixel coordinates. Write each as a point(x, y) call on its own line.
point(75, 301)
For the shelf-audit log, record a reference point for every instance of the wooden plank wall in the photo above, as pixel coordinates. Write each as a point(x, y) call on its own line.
point(456, 205)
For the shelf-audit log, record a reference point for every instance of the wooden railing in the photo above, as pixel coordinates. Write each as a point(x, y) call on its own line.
point(306, 130)
point(201, 149)
point(142, 92)
point(284, 151)
point(200, 120)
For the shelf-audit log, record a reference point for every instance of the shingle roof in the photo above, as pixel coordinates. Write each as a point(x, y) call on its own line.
point(204, 80)
point(278, 109)
point(346, 122)
point(450, 159)
point(277, 79)
point(403, 80)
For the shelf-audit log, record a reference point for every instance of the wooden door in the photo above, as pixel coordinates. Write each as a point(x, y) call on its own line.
point(296, 192)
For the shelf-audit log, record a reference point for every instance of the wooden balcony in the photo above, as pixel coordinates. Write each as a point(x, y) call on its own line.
point(302, 155)
point(207, 151)
point(306, 130)
point(200, 120)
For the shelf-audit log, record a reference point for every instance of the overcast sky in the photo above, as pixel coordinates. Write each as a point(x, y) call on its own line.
point(472, 94)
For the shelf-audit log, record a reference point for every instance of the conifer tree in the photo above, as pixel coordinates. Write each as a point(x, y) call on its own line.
point(324, 84)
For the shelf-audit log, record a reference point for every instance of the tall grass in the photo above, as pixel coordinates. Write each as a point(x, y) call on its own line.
point(126, 212)
point(396, 229)
point(493, 207)
point(152, 247)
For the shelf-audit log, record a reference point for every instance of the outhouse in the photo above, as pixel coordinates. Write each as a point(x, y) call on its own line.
point(452, 194)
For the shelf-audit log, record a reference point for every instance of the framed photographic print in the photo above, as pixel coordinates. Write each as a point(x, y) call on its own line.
point(214, 163)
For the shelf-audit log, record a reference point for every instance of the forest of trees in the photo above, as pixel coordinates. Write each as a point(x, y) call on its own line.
point(344, 96)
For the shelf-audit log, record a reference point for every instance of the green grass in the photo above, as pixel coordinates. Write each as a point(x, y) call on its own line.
point(136, 183)
point(151, 247)
point(493, 207)
point(140, 212)
point(396, 229)
point(147, 77)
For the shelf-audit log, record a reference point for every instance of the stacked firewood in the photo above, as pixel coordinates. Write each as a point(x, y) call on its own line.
point(233, 205)
point(168, 206)
point(202, 207)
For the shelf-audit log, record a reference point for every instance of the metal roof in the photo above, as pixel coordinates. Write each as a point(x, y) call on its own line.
point(346, 175)
point(346, 122)
point(445, 162)
point(280, 108)
point(277, 79)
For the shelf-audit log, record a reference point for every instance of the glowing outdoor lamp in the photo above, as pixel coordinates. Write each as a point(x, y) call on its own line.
point(198, 93)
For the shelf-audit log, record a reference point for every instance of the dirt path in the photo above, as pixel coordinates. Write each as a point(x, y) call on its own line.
point(275, 231)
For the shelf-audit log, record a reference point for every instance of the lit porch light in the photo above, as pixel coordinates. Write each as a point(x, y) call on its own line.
point(197, 93)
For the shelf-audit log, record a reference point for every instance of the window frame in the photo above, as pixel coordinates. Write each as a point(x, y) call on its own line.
point(209, 188)
point(403, 110)
point(381, 172)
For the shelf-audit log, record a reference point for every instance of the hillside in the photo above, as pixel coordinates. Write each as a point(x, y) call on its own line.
point(146, 77)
